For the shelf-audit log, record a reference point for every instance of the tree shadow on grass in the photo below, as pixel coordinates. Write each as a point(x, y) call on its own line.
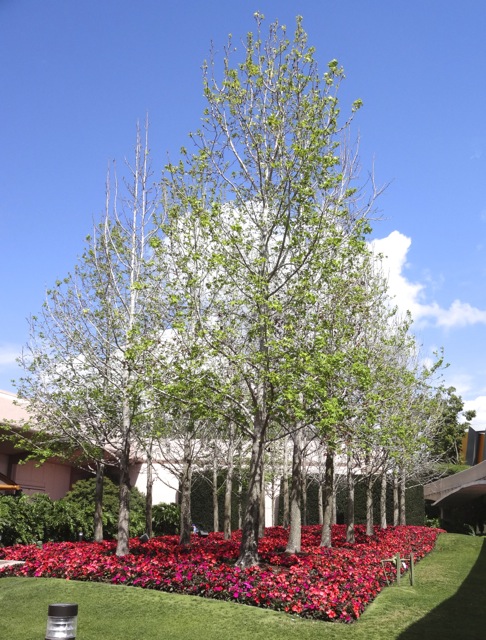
point(461, 617)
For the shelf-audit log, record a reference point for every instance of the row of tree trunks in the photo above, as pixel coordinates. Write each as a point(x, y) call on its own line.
point(327, 489)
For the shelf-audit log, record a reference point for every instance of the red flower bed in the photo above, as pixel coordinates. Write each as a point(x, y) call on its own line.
point(321, 583)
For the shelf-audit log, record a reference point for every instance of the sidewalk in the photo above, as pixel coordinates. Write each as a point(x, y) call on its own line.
point(8, 563)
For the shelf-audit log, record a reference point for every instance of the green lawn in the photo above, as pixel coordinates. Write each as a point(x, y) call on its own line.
point(447, 602)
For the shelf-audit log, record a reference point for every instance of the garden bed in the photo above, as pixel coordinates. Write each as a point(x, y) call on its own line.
point(327, 584)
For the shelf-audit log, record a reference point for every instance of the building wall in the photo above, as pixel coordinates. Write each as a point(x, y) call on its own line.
point(165, 486)
point(51, 478)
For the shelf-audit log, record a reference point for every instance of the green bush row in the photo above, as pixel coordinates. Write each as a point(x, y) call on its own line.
point(414, 502)
point(202, 499)
point(37, 518)
point(202, 505)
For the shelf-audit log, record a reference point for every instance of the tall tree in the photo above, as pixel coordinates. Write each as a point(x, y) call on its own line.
point(453, 423)
point(269, 195)
point(85, 361)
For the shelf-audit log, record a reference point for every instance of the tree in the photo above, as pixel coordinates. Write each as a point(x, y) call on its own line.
point(85, 361)
point(451, 428)
point(258, 214)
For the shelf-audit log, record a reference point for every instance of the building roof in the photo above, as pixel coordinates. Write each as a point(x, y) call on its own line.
point(460, 487)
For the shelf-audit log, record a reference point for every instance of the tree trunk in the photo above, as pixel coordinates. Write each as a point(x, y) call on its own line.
point(327, 500)
point(304, 495)
point(295, 532)
point(261, 518)
point(215, 492)
point(383, 522)
point(285, 486)
point(320, 498)
point(122, 547)
point(186, 484)
point(98, 515)
point(229, 486)
point(320, 495)
point(334, 504)
point(396, 506)
point(402, 492)
point(350, 533)
point(369, 506)
point(240, 500)
point(273, 492)
point(251, 522)
point(148, 497)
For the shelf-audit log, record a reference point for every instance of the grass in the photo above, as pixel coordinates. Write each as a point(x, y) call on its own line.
point(447, 601)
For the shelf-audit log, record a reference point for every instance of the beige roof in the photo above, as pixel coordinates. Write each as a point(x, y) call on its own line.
point(455, 489)
point(11, 411)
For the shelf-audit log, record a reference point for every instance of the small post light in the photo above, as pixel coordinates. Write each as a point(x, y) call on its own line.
point(80, 536)
point(62, 620)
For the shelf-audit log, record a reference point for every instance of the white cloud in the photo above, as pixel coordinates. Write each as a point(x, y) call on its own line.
point(410, 296)
point(9, 354)
point(464, 384)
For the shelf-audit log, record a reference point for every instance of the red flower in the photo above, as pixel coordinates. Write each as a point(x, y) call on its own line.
point(321, 583)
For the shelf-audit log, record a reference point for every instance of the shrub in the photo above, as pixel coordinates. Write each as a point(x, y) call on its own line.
point(29, 519)
point(82, 497)
point(165, 518)
point(16, 524)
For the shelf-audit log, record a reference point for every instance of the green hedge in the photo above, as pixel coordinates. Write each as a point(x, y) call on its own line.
point(202, 502)
point(202, 499)
point(30, 519)
point(414, 502)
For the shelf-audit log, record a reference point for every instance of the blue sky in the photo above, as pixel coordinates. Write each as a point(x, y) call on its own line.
point(76, 76)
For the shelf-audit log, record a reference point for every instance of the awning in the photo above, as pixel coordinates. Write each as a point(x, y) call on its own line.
point(8, 485)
